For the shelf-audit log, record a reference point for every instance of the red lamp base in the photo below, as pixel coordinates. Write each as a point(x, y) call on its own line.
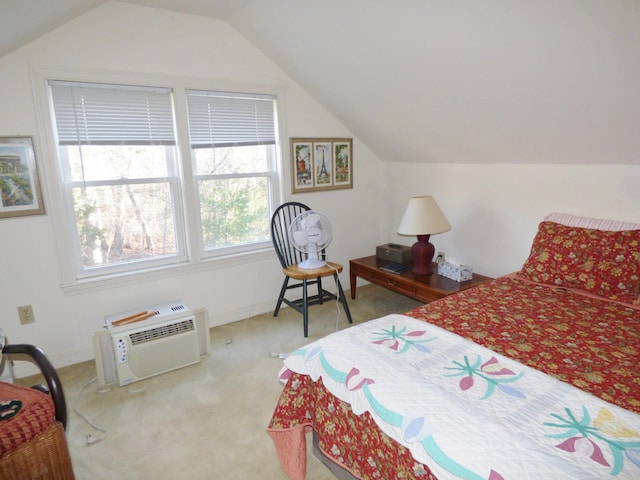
point(422, 252)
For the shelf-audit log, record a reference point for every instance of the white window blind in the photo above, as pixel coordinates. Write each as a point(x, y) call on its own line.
point(99, 114)
point(221, 119)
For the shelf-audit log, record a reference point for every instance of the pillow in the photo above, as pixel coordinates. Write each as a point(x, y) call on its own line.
point(590, 222)
point(601, 262)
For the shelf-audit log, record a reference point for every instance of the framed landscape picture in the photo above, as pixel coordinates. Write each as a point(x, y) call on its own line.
point(321, 164)
point(302, 164)
point(342, 164)
point(19, 183)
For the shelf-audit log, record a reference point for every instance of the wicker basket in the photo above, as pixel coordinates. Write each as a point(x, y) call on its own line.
point(44, 457)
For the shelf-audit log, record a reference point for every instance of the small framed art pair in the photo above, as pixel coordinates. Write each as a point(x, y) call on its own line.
point(321, 164)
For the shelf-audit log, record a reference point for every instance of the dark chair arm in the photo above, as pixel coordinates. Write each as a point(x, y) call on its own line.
point(50, 375)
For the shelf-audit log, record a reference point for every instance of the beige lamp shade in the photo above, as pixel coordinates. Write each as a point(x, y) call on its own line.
point(423, 217)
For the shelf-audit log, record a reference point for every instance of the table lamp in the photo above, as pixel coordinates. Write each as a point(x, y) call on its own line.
point(423, 218)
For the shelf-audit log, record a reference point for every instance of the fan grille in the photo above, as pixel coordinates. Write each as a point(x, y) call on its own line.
point(301, 233)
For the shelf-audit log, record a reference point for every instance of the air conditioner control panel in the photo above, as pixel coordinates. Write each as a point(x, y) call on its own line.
point(121, 350)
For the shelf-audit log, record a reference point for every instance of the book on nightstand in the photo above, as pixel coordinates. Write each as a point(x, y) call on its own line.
point(393, 267)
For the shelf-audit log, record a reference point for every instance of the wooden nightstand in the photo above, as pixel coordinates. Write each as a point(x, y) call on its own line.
point(425, 288)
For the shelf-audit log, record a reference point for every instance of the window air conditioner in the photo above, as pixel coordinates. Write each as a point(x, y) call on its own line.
point(173, 337)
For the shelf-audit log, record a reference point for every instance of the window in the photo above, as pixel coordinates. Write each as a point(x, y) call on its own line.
point(123, 187)
point(233, 145)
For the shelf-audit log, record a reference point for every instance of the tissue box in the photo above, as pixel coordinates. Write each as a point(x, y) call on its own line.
point(459, 273)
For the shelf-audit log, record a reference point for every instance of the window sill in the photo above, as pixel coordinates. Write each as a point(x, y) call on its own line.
point(87, 285)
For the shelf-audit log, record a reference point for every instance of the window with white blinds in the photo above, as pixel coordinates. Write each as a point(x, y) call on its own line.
point(100, 114)
point(222, 119)
point(118, 162)
point(233, 148)
point(122, 174)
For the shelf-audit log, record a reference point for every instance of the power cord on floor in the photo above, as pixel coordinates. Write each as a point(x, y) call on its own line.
point(248, 317)
point(90, 439)
point(337, 295)
point(278, 355)
point(140, 387)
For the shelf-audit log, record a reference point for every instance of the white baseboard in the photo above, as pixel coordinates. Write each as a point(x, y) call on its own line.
point(223, 318)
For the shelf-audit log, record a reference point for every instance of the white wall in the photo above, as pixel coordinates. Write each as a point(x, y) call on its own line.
point(466, 81)
point(139, 42)
point(495, 209)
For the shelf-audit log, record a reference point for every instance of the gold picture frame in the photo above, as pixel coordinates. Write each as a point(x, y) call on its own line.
point(20, 192)
point(321, 164)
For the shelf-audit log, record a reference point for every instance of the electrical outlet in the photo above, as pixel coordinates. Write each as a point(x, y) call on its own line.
point(440, 257)
point(25, 312)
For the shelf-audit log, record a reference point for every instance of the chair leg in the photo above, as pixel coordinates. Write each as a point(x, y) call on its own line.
point(283, 290)
point(320, 294)
point(343, 300)
point(305, 308)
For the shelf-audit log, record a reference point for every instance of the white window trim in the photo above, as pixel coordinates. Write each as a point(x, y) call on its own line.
point(53, 190)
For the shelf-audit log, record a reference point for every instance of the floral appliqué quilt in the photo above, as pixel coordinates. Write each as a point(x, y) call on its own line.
point(465, 411)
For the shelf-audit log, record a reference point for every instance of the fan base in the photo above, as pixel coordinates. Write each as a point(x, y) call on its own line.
point(311, 264)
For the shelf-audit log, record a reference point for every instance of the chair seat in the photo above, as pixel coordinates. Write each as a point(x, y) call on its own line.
point(298, 273)
point(32, 430)
point(36, 414)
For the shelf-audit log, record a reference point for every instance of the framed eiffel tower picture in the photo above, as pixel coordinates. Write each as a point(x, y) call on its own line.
point(321, 164)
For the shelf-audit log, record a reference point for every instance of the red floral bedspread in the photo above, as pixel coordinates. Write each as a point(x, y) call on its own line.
point(585, 341)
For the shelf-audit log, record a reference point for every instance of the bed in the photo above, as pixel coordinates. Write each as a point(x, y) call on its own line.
point(531, 375)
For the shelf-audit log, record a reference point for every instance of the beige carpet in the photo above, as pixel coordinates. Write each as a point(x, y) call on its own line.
point(206, 421)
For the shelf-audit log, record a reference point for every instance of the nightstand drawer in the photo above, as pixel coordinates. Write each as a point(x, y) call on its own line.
point(427, 295)
point(365, 273)
point(394, 282)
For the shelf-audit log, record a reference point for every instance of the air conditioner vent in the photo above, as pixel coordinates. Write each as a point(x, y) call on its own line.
point(162, 332)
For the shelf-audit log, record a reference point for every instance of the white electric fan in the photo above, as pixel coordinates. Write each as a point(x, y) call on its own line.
point(310, 233)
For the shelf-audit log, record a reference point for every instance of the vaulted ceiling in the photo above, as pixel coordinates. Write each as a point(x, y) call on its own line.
point(468, 81)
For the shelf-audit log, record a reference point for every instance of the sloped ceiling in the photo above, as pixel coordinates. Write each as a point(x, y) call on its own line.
point(468, 81)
